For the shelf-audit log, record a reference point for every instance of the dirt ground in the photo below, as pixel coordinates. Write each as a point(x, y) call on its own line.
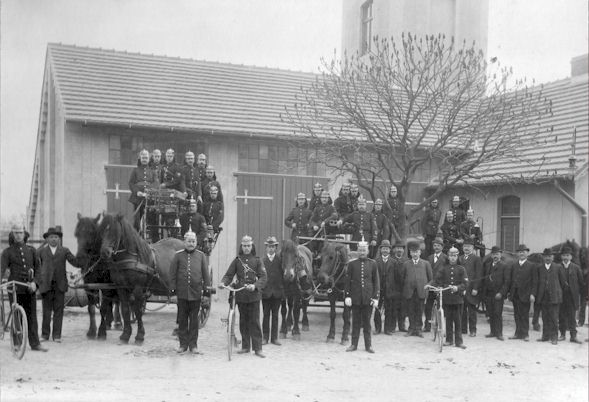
point(407, 369)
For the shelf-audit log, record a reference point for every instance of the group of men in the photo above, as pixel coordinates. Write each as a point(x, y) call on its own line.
point(192, 183)
point(43, 270)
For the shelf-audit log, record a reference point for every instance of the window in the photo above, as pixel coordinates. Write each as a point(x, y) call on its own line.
point(279, 159)
point(124, 149)
point(366, 34)
point(509, 222)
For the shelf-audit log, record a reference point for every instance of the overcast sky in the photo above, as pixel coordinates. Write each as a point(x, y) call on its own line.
point(536, 37)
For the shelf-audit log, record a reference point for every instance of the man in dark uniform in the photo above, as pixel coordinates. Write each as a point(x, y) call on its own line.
point(453, 275)
point(418, 273)
point(273, 292)
point(316, 198)
point(192, 183)
point(209, 181)
point(570, 296)
point(194, 222)
point(497, 285)
point(298, 219)
point(155, 162)
point(323, 216)
point(19, 263)
point(551, 281)
point(250, 272)
point(474, 270)
point(470, 229)
point(189, 279)
point(393, 209)
point(451, 233)
point(52, 280)
point(395, 290)
point(457, 211)
point(201, 164)
point(431, 224)
point(365, 228)
point(437, 260)
point(386, 275)
point(362, 288)
point(343, 203)
point(523, 281)
point(171, 174)
point(142, 178)
point(213, 210)
point(382, 227)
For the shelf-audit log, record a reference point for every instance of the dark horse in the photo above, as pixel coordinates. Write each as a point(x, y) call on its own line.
point(136, 269)
point(94, 271)
point(334, 263)
point(298, 286)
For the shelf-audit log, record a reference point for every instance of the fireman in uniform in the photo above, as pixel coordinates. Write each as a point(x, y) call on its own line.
point(364, 225)
point(298, 219)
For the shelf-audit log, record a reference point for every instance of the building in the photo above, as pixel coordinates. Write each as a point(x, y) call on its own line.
point(461, 19)
point(545, 202)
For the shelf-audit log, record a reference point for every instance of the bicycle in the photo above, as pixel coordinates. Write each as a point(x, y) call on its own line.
point(438, 321)
point(230, 320)
point(17, 320)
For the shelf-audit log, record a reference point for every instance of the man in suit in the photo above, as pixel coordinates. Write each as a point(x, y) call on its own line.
point(418, 273)
point(52, 279)
point(394, 288)
point(523, 280)
point(273, 292)
point(551, 280)
point(474, 270)
point(497, 278)
point(386, 275)
point(453, 275)
point(436, 260)
point(570, 296)
point(362, 287)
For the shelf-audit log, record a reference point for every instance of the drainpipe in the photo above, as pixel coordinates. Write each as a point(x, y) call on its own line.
point(579, 207)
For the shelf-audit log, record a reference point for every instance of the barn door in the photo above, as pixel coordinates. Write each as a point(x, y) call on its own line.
point(264, 201)
point(117, 190)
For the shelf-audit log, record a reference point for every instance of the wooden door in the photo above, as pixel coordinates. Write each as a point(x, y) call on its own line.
point(117, 190)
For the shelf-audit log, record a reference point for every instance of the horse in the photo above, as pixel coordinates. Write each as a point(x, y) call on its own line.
point(298, 278)
point(136, 268)
point(94, 271)
point(334, 263)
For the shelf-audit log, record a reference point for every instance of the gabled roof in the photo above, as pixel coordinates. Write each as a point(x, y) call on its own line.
point(112, 87)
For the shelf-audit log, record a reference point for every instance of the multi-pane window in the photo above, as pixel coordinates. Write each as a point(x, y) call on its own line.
point(279, 159)
point(509, 208)
point(366, 35)
point(124, 149)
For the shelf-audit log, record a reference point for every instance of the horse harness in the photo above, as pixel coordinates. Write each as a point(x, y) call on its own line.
point(332, 276)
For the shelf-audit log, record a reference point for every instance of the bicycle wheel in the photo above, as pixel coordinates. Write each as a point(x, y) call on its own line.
point(434, 322)
point(230, 332)
point(441, 329)
point(2, 315)
point(18, 332)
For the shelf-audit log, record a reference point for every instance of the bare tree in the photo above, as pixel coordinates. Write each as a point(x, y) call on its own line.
point(419, 105)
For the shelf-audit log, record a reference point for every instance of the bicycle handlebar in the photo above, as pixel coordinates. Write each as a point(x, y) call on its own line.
point(232, 289)
point(436, 289)
point(6, 285)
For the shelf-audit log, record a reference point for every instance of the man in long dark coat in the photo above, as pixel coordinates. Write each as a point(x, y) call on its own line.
point(570, 296)
point(523, 280)
point(474, 270)
point(497, 285)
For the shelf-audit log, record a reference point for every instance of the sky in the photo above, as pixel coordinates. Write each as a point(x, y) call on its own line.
point(536, 37)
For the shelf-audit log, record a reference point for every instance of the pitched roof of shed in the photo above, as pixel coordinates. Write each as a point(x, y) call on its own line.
point(112, 87)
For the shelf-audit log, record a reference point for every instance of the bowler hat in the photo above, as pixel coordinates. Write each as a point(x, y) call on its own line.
point(399, 243)
point(522, 247)
point(566, 250)
point(495, 249)
point(547, 251)
point(385, 243)
point(52, 231)
point(468, 241)
point(438, 240)
point(271, 241)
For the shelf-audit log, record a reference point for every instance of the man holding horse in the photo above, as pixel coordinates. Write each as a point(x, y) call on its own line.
point(189, 279)
point(273, 292)
point(362, 290)
point(251, 274)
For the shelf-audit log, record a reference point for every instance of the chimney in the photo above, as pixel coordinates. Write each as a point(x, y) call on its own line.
point(579, 65)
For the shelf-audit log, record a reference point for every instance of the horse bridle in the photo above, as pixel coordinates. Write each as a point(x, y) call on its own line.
point(332, 276)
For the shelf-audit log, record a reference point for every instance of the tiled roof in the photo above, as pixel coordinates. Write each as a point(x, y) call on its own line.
point(570, 118)
point(112, 87)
